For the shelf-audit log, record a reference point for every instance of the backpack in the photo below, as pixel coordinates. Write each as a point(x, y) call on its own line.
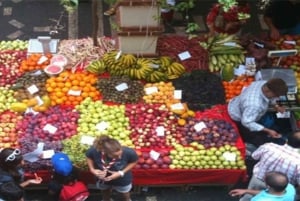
point(9, 189)
point(75, 191)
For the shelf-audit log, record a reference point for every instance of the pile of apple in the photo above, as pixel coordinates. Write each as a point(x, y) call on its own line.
point(196, 156)
point(288, 42)
point(9, 66)
point(8, 133)
point(153, 159)
point(96, 118)
point(209, 132)
point(14, 45)
point(6, 98)
point(55, 124)
point(152, 126)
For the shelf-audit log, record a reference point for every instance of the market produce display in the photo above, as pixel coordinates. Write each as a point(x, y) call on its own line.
point(171, 111)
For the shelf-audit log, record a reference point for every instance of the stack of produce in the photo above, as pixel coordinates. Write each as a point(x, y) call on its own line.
point(6, 98)
point(13, 45)
point(173, 45)
point(35, 62)
point(225, 53)
point(150, 70)
point(8, 133)
point(200, 89)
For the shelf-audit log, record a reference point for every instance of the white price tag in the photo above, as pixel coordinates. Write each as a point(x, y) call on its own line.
point(118, 55)
point(241, 70)
point(74, 93)
point(87, 140)
point(42, 59)
point(229, 156)
point(39, 100)
point(178, 94)
point(250, 61)
point(177, 106)
point(32, 89)
point(38, 72)
point(285, 114)
point(199, 126)
point(184, 55)
point(259, 45)
point(155, 66)
point(232, 44)
point(48, 154)
point(160, 131)
point(51, 129)
point(103, 125)
point(122, 87)
point(154, 155)
point(291, 42)
point(151, 90)
point(30, 110)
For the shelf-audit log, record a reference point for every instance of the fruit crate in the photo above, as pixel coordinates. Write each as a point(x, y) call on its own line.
point(139, 43)
point(139, 14)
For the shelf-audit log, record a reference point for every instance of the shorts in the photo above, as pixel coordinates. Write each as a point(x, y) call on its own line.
point(120, 189)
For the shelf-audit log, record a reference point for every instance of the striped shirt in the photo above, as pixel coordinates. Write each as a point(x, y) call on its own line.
point(249, 106)
point(274, 157)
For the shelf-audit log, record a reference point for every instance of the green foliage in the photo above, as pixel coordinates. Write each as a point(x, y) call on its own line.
point(69, 5)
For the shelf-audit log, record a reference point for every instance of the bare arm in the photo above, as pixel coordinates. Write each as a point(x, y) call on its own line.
point(274, 33)
point(239, 192)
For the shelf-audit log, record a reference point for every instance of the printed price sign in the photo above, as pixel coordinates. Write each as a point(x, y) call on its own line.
point(32, 89)
point(199, 126)
point(50, 128)
point(154, 155)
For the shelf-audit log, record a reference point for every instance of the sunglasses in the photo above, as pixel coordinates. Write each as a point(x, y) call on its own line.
point(13, 155)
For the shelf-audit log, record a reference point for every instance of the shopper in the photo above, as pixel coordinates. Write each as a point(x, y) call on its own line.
point(282, 17)
point(111, 164)
point(277, 188)
point(220, 20)
point(63, 173)
point(11, 171)
point(250, 106)
point(280, 158)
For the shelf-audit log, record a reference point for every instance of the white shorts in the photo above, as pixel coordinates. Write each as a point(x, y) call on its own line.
point(120, 189)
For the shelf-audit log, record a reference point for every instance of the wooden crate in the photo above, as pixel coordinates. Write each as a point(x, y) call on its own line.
point(138, 16)
point(139, 43)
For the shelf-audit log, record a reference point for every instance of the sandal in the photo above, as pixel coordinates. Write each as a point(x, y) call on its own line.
point(110, 12)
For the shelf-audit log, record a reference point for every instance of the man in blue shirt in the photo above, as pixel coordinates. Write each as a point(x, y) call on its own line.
point(277, 188)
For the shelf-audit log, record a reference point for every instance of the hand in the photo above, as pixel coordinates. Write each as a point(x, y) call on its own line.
point(100, 174)
point(237, 192)
point(37, 180)
point(279, 108)
point(274, 34)
point(274, 134)
point(114, 175)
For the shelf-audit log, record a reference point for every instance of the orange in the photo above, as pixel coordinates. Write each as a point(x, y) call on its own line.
point(181, 122)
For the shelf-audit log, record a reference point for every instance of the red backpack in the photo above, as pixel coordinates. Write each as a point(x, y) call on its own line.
point(76, 191)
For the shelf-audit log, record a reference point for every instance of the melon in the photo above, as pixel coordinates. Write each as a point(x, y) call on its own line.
point(53, 69)
point(59, 60)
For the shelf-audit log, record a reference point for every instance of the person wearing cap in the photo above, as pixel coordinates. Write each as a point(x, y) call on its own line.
point(251, 105)
point(274, 157)
point(111, 164)
point(11, 161)
point(63, 173)
point(277, 188)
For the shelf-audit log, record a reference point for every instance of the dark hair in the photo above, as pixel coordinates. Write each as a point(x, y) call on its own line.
point(277, 86)
point(294, 139)
point(9, 162)
point(277, 181)
point(106, 144)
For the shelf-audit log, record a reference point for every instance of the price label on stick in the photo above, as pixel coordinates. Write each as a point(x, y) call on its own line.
point(229, 156)
point(151, 90)
point(184, 55)
point(103, 125)
point(39, 100)
point(122, 87)
point(199, 126)
point(177, 106)
point(160, 131)
point(50, 128)
point(32, 89)
point(87, 140)
point(154, 154)
point(74, 93)
point(177, 94)
point(42, 59)
point(48, 154)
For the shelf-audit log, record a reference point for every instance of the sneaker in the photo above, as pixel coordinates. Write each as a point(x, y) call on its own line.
point(110, 12)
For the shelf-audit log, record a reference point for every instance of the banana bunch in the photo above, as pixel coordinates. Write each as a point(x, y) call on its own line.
point(141, 69)
point(156, 76)
point(174, 70)
point(97, 67)
point(224, 49)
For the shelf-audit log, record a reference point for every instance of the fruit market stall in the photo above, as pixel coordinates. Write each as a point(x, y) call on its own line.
point(171, 109)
